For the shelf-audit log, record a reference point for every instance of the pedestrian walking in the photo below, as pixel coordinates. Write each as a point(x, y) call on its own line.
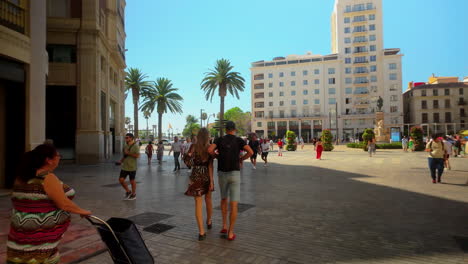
point(314, 142)
point(404, 144)
point(436, 151)
point(149, 150)
point(448, 152)
point(280, 147)
point(128, 162)
point(160, 151)
point(371, 147)
point(41, 209)
point(272, 143)
point(176, 147)
point(201, 181)
point(319, 149)
point(301, 142)
point(227, 149)
point(265, 147)
point(254, 145)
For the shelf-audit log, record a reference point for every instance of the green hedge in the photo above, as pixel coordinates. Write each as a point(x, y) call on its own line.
point(396, 145)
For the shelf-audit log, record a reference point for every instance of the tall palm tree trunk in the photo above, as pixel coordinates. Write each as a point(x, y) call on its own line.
point(160, 126)
point(135, 118)
point(147, 128)
point(221, 117)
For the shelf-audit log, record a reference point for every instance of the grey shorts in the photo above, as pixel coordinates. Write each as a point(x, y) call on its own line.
point(229, 184)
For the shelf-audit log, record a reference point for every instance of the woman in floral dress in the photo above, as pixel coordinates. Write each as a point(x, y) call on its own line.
point(201, 179)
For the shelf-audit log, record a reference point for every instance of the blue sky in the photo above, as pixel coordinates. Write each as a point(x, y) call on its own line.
point(182, 39)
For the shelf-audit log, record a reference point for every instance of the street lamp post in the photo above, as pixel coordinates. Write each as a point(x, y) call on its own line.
point(201, 118)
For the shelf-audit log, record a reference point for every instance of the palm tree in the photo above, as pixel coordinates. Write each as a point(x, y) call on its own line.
point(162, 97)
point(135, 82)
point(223, 78)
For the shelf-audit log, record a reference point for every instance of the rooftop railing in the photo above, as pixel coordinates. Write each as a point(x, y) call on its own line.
point(12, 16)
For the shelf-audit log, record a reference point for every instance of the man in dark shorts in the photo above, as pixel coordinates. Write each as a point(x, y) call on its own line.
point(129, 165)
point(254, 145)
point(227, 149)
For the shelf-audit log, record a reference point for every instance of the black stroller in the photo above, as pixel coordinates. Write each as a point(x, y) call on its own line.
point(123, 240)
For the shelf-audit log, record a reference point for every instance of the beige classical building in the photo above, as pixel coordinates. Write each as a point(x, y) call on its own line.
point(339, 91)
point(85, 86)
point(61, 78)
point(439, 106)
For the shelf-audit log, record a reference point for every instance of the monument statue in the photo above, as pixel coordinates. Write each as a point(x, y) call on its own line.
point(379, 129)
point(380, 103)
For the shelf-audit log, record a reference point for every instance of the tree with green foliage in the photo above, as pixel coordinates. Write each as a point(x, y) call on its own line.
point(223, 79)
point(327, 140)
point(191, 126)
point(241, 118)
point(291, 141)
point(367, 136)
point(162, 97)
point(417, 133)
point(135, 83)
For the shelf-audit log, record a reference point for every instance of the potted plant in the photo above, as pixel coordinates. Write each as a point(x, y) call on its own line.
point(327, 140)
point(291, 141)
point(417, 133)
point(367, 136)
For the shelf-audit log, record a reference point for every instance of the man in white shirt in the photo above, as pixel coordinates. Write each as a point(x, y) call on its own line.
point(176, 147)
point(265, 146)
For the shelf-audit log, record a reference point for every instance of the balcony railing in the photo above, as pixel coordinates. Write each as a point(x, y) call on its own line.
point(359, 72)
point(461, 102)
point(358, 62)
point(12, 16)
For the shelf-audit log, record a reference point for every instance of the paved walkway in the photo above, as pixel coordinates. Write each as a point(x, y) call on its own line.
point(346, 208)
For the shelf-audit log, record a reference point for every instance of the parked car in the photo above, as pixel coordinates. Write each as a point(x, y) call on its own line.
point(166, 142)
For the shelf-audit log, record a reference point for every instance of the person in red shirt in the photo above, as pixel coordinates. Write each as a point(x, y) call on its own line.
point(280, 147)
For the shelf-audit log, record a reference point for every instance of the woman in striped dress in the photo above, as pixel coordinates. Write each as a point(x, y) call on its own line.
point(41, 210)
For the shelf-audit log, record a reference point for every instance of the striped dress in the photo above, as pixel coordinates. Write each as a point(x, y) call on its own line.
point(37, 225)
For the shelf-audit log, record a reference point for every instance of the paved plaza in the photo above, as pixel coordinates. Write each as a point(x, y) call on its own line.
point(346, 208)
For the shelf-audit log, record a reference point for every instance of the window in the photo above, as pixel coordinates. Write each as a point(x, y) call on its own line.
point(316, 91)
point(347, 20)
point(305, 82)
point(423, 92)
point(372, 48)
point(62, 53)
point(316, 81)
point(348, 70)
point(360, 29)
point(270, 75)
point(423, 104)
point(305, 102)
point(462, 112)
point(331, 70)
point(270, 114)
point(347, 40)
point(435, 92)
point(259, 124)
point(373, 78)
point(392, 66)
point(348, 80)
point(371, 17)
point(349, 90)
point(393, 76)
point(293, 83)
point(424, 118)
point(281, 113)
point(55, 8)
point(270, 104)
point(331, 91)
point(293, 73)
point(348, 8)
point(293, 102)
point(359, 18)
point(447, 92)
point(281, 74)
point(259, 114)
point(373, 58)
point(331, 80)
point(373, 68)
point(347, 60)
point(316, 71)
point(435, 104)
point(317, 101)
point(371, 27)
point(347, 50)
point(281, 84)
point(281, 93)
point(270, 94)
point(331, 100)
point(460, 91)
point(448, 117)
point(436, 117)
point(293, 93)
point(347, 30)
point(348, 100)
point(447, 103)
point(304, 73)
point(259, 105)
point(393, 98)
point(293, 113)
point(393, 109)
point(281, 103)
point(305, 92)
point(372, 37)
point(360, 59)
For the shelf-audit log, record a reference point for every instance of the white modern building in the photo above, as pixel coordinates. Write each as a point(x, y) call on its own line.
point(309, 93)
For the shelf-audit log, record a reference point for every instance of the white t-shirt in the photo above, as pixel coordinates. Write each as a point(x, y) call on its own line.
point(176, 146)
point(265, 147)
point(448, 147)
